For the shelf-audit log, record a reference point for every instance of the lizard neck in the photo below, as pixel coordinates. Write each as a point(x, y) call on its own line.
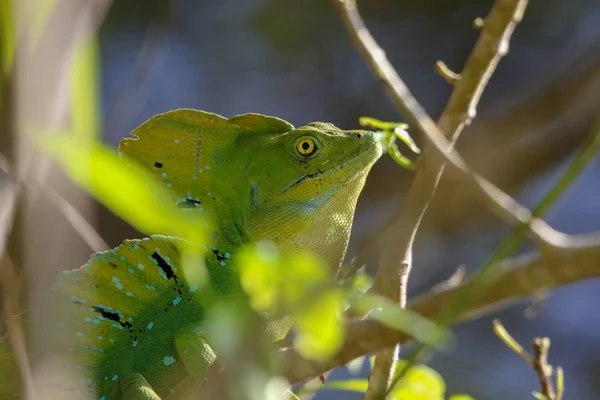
point(321, 225)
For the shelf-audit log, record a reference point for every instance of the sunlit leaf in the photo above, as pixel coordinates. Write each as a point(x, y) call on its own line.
point(300, 286)
point(7, 36)
point(320, 326)
point(420, 382)
point(259, 276)
point(351, 385)
point(386, 126)
point(387, 133)
point(389, 314)
point(279, 283)
point(397, 129)
point(397, 156)
point(362, 282)
point(129, 191)
point(404, 136)
point(85, 115)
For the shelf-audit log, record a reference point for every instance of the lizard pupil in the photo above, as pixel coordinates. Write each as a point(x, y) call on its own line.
point(305, 146)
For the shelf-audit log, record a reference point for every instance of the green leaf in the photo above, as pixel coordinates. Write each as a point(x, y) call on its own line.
point(351, 385)
point(7, 35)
point(362, 282)
point(389, 314)
point(387, 133)
point(384, 126)
point(129, 191)
point(404, 136)
point(85, 92)
point(300, 286)
point(397, 156)
point(279, 283)
point(320, 326)
point(420, 382)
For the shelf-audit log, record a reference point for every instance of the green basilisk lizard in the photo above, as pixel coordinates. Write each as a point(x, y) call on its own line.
point(130, 326)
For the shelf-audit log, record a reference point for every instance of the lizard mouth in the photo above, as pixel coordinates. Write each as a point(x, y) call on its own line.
point(323, 172)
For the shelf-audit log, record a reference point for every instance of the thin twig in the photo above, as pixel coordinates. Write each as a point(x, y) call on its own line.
point(538, 361)
point(396, 260)
point(77, 221)
point(507, 338)
point(542, 368)
point(446, 73)
point(16, 333)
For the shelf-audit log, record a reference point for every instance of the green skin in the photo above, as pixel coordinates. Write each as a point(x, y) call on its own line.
point(128, 325)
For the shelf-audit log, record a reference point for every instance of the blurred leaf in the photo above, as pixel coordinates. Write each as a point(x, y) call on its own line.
point(85, 115)
point(391, 315)
point(320, 326)
point(7, 35)
point(129, 191)
point(278, 283)
point(300, 286)
point(362, 282)
point(420, 382)
point(351, 385)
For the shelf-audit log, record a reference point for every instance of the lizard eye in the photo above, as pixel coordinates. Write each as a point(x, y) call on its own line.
point(306, 146)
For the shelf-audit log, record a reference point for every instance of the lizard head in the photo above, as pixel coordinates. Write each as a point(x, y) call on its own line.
point(259, 176)
point(309, 164)
point(305, 184)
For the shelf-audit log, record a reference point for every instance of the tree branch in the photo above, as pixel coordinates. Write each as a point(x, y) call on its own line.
point(396, 260)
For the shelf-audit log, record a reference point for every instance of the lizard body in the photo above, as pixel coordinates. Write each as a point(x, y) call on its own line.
point(128, 324)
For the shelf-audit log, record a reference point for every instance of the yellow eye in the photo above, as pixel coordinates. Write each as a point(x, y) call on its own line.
point(306, 147)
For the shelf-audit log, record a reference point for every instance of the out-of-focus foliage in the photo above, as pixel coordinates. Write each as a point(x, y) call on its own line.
point(129, 191)
point(302, 286)
point(297, 285)
point(389, 314)
point(7, 36)
point(420, 383)
point(85, 115)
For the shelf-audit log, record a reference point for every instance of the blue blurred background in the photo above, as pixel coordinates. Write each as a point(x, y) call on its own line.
point(292, 59)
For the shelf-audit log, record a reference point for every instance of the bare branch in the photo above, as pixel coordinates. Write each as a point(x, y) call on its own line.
point(396, 260)
point(539, 361)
